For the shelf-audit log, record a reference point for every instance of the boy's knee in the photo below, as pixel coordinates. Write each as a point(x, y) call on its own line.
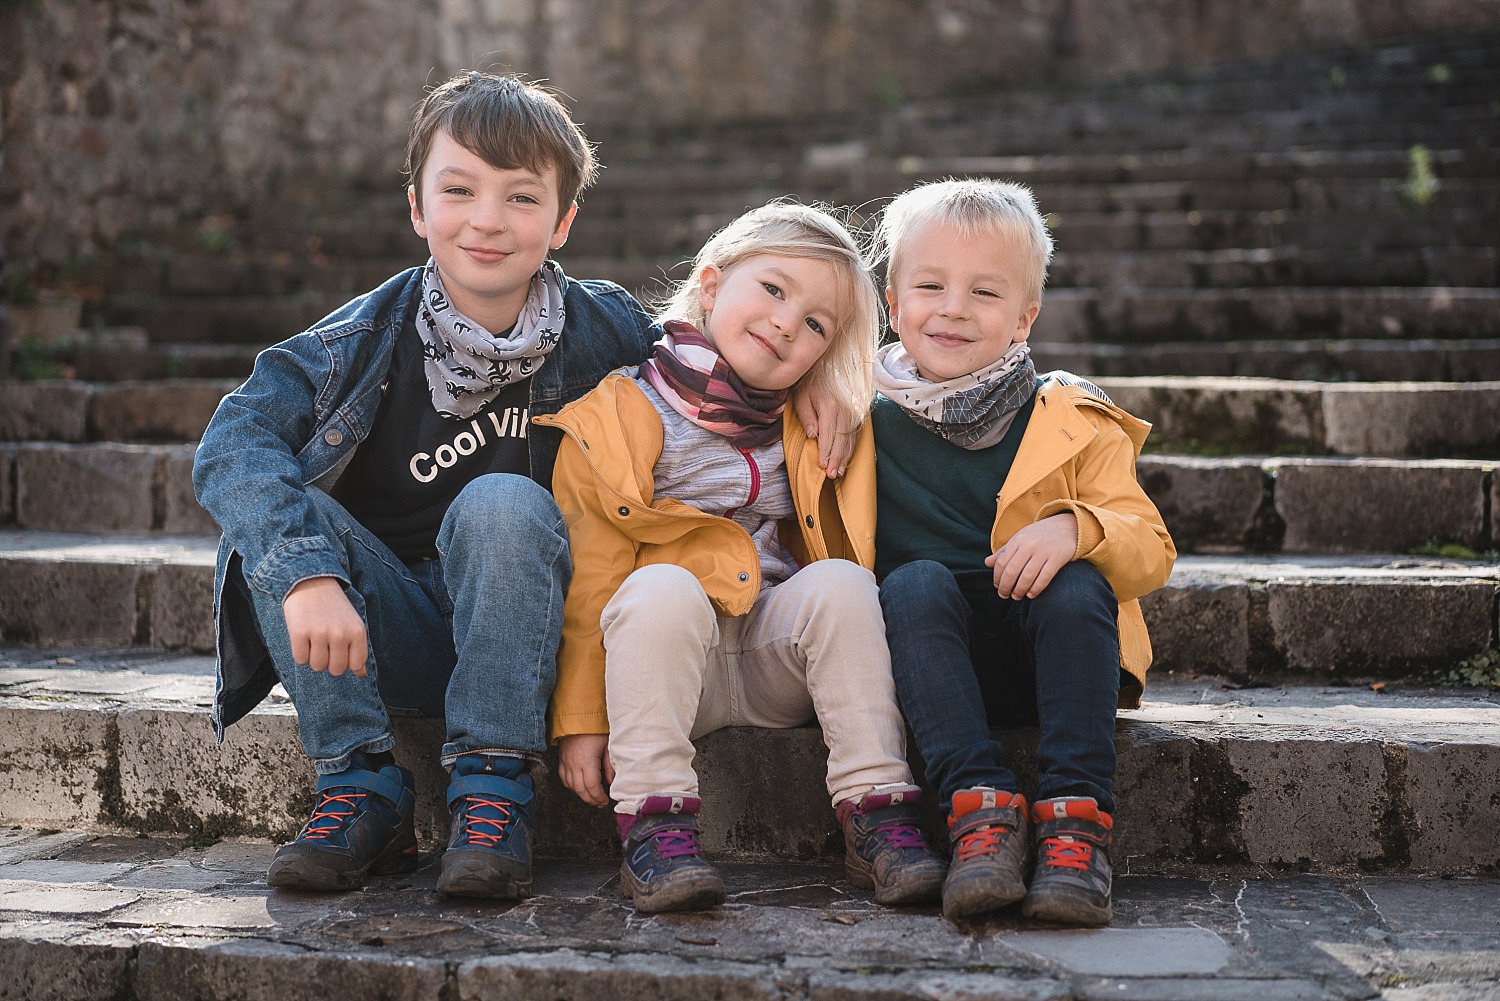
point(920, 580)
point(663, 593)
point(1078, 587)
point(838, 574)
point(500, 497)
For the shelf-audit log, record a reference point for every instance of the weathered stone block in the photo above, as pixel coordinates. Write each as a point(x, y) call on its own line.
point(270, 971)
point(1295, 785)
point(180, 512)
point(67, 603)
point(741, 770)
point(1379, 505)
point(1199, 628)
point(1205, 503)
point(1153, 816)
point(174, 777)
point(1360, 629)
point(630, 977)
point(181, 607)
point(1451, 792)
point(7, 485)
point(1241, 415)
point(53, 763)
point(86, 488)
point(44, 411)
point(175, 411)
point(40, 970)
point(1446, 420)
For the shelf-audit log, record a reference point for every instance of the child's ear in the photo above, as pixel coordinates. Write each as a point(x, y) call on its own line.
point(564, 225)
point(417, 222)
point(891, 308)
point(1024, 322)
point(708, 286)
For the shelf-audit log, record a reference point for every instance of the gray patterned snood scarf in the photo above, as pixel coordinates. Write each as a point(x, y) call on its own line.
point(972, 411)
point(466, 365)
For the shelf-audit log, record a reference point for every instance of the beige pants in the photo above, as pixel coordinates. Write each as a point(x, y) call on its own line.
point(812, 647)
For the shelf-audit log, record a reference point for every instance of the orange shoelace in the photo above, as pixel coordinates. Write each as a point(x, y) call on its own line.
point(985, 841)
point(349, 799)
point(1068, 853)
point(486, 839)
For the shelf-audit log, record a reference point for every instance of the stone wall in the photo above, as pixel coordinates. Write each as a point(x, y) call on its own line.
point(156, 115)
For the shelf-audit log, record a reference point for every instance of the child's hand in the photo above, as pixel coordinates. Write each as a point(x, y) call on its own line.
point(835, 445)
point(327, 634)
point(1026, 564)
point(585, 766)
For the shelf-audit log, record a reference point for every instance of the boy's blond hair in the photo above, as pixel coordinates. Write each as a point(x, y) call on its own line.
point(510, 124)
point(971, 206)
point(844, 371)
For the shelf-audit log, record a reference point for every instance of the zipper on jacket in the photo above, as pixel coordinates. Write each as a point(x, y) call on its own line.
point(754, 484)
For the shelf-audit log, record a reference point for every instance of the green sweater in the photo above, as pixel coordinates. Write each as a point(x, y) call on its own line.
point(936, 500)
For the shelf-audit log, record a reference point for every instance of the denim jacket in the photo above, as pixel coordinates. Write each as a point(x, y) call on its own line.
point(307, 405)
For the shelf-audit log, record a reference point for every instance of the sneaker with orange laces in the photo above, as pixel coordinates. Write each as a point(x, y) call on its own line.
point(361, 826)
point(489, 842)
point(987, 828)
point(1071, 884)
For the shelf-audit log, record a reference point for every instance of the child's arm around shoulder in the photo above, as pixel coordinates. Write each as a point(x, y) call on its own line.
point(1120, 530)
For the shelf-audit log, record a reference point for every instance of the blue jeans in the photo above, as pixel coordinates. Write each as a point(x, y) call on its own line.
point(472, 635)
point(965, 659)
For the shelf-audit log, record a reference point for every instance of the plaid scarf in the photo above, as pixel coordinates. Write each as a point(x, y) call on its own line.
point(972, 411)
point(696, 381)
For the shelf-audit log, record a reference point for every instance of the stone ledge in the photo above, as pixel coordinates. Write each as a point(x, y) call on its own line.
point(1324, 779)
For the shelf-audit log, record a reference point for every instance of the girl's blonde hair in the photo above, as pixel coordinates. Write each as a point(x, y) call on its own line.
point(970, 206)
point(843, 373)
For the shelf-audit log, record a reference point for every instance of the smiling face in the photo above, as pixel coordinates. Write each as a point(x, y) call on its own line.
point(488, 229)
point(959, 301)
point(771, 317)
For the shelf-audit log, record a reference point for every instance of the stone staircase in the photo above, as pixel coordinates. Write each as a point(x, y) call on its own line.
point(1270, 220)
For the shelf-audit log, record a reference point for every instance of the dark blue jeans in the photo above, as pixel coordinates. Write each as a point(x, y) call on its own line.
point(965, 659)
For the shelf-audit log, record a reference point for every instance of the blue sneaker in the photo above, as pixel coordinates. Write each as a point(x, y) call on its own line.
point(489, 845)
point(362, 825)
point(664, 869)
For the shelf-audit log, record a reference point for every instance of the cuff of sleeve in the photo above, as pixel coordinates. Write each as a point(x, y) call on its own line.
point(573, 724)
point(1090, 530)
point(288, 565)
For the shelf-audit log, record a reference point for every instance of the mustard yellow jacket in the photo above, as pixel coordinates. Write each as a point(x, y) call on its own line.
point(603, 484)
point(1078, 454)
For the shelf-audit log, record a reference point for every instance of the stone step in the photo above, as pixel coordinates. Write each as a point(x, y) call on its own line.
point(1070, 315)
point(1224, 416)
point(1238, 504)
point(99, 918)
point(1385, 360)
point(1263, 617)
point(1383, 780)
point(1237, 416)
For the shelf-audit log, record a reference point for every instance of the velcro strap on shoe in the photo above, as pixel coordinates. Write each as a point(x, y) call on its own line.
point(481, 784)
point(381, 785)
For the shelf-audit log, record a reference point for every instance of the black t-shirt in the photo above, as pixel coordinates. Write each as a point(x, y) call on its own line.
point(935, 499)
point(405, 475)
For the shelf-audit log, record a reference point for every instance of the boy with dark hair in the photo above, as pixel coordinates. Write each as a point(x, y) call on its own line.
point(425, 573)
point(1013, 542)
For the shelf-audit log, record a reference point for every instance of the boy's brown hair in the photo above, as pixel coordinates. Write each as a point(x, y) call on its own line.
point(510, 124)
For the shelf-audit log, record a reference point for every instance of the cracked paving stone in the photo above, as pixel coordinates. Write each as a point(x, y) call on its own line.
point(40, 898)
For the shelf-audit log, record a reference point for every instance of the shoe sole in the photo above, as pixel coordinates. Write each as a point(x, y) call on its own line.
point(305, 872)
point(977, 897)
point(926, 888)
point(700, 893)
point(479, 878)
point(1066, 910)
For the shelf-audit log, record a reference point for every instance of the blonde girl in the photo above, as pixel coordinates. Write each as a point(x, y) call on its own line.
point(720, 579)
